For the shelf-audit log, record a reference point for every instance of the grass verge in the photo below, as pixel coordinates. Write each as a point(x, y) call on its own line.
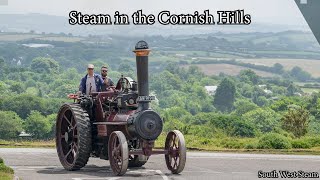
point(305, 146)
point(6, 173)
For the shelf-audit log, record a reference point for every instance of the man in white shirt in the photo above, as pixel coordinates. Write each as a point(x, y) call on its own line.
point(91, 82)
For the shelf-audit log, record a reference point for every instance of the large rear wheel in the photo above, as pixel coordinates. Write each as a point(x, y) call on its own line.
point(73, 136)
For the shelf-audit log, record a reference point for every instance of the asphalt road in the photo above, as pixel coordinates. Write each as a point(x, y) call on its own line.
point(34, 164)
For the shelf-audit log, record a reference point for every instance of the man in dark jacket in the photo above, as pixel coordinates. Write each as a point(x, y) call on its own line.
point(91, 82)
point(109, 83)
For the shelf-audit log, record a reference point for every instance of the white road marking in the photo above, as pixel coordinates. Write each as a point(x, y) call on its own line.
point(139, 172)
point(243, 173)
point(162, 175)
point(216, 172)
point(43, 167)
point(256, 158)
point(26, 169)
point(110, 178)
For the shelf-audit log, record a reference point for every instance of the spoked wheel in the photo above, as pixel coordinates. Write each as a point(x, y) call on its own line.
point(73, 136)
point(176, 147)
point(118, 153)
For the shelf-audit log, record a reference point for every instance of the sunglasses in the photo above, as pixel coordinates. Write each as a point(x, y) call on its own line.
point(90, 68)
point(104, 70)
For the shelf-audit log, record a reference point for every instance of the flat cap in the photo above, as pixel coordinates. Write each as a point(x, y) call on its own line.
point(90, 66)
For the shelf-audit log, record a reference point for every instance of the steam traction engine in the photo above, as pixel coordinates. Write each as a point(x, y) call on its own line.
point(117, 125)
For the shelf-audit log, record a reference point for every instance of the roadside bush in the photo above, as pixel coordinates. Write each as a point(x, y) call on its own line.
point(251, 146)
point(1, 160)
point(5, 169)
point(312, 140)
point(264, 119)
point(232, 144)
point(243, 129)
point(274, 141)
point(233, 125)
point(205, 141)
point(10, 125)
point(300, 144)
point(283, 132)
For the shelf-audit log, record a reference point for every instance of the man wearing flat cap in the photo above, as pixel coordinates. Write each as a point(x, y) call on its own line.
point(91, 82)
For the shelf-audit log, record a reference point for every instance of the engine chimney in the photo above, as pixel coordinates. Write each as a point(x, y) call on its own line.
point(142, 51)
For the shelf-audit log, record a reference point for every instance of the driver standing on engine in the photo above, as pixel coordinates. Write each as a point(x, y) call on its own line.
point(109, 83)
point(91, 82)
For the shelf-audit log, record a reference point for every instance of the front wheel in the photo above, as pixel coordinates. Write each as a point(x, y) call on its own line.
point(176, 156)
point(118, 153)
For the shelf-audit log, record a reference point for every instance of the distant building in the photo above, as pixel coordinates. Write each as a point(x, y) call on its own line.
point(180, 55)
point(24, 135)
point(39, 45)
point(297, 94)
point(211, 90)
point(264, 87)
point(267, 91)
point(303, 1)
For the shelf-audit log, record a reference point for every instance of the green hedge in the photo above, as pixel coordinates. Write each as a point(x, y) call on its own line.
point(274, 141)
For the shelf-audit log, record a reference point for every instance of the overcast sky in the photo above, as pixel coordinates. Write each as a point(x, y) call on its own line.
point(263, 11)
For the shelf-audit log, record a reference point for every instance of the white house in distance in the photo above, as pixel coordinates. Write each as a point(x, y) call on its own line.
point(211, 90)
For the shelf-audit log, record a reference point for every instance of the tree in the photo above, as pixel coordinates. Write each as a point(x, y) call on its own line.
point(176, 112)
point(125, 67)
point(278, 68)
point(249, 75)
point(314, 105)
point(22, 104)
point(165, 81)
point(225, 95)
point(244, 106)
point(283, 103)
point(261, 101)
point(296, 120)
point(264, 119)
point(37, 125)
point(52, 121)
point(2, 66)
point(299, 74)
point(292, 89)
point(45, 65)
point(10, 125)
point(3, 88)
point(231, 125)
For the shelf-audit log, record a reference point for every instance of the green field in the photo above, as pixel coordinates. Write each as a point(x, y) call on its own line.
point(309, 65)
point(310, 90)
point(12, 37)
point(17, 37)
